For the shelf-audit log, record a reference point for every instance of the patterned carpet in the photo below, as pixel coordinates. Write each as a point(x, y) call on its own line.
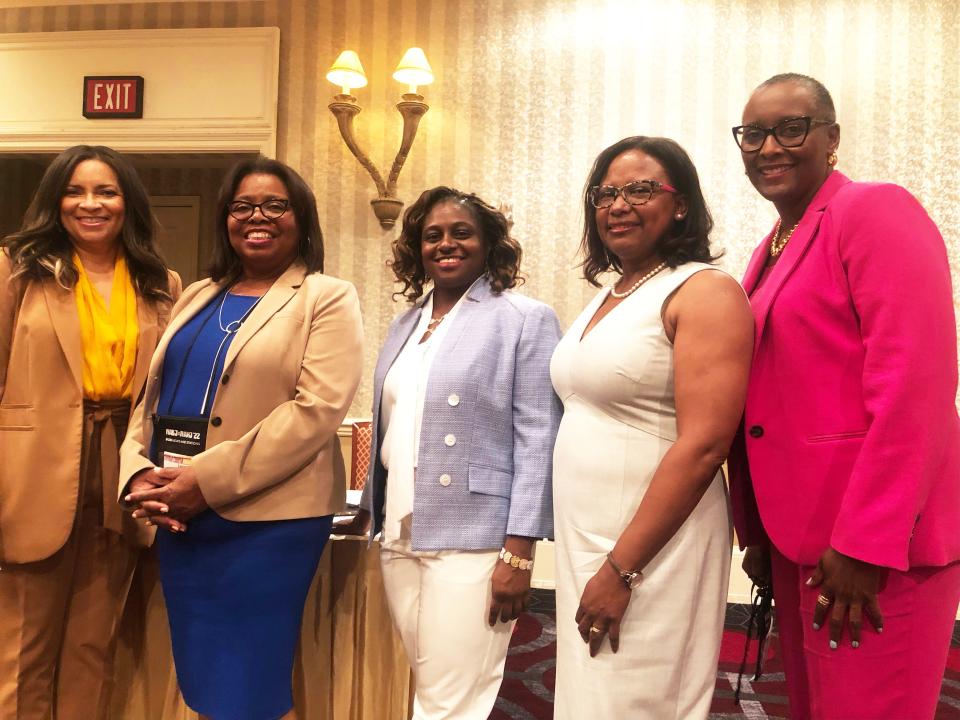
point(527, 691)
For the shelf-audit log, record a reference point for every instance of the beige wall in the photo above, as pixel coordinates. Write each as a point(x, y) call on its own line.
point(528, 92)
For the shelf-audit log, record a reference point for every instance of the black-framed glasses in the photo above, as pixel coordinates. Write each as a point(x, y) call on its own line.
point(270, 209)
point(789, 133)
point(637, 192)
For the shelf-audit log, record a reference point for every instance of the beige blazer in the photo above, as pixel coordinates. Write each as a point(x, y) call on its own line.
point(289, 377)
point(41, 408)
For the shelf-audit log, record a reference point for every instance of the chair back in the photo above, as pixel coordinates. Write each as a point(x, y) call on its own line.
point(361, 438)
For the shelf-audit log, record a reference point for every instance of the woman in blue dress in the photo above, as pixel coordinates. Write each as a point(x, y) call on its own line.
point(233, 451)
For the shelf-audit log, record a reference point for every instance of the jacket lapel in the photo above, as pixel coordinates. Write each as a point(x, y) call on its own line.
point(477, 294)
point(398, 338)
point(191, 302)
point(801, 239)
point(66, 323)
point(146, 341)
point(275, 298)
point(757, 262)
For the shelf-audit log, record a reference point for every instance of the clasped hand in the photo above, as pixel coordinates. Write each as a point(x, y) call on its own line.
point(166, 497)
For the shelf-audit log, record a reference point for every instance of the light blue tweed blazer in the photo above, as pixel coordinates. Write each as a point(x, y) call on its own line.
point(490, 418)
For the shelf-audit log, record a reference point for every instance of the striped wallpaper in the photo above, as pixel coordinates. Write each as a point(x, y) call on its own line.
point(528, 91)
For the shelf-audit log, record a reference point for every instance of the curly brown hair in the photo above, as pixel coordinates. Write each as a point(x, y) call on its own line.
point(502, 265)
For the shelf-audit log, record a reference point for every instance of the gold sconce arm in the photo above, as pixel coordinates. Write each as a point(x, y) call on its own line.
point(345, 108)
point(347, 72)
point(412, 108)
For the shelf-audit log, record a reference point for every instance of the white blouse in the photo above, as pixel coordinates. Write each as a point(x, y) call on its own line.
point(401, 414)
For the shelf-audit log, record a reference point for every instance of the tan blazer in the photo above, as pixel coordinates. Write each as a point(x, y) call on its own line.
point(41, 408)
point(289, 377)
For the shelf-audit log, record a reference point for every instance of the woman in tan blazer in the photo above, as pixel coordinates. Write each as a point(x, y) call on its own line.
point(84, 297)
point(234, 452)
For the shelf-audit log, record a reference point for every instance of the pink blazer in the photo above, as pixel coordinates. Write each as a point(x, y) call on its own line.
point(851, 437)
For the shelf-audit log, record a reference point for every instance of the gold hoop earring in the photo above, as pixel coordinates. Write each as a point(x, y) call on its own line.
point(832, 159)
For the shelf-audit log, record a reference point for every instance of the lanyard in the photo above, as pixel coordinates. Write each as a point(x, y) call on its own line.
point(230, 329)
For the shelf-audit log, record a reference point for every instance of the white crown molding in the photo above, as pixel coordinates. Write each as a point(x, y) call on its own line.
point(207, 89)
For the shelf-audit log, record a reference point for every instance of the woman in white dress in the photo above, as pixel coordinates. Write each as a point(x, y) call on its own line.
point(652, 376)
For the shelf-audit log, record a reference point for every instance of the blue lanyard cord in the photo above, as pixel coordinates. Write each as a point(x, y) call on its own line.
point(186, 357)
point(231, 329)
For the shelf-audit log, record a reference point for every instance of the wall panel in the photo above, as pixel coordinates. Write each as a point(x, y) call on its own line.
point(528, 92)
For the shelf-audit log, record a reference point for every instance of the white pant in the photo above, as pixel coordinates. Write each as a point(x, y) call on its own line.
point(439, 603)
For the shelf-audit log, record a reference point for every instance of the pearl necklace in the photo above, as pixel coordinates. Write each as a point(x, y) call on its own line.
point(638, 283)
point(778, 243)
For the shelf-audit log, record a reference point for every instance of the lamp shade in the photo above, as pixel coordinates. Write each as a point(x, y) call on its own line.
point(413, 68)
point(346, 71)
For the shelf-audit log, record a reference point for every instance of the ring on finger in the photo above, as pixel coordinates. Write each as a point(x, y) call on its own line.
point(594, 630)
point(823, 601)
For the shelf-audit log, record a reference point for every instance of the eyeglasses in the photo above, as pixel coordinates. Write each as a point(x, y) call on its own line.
point(637, 192)
point(789, 133)
point(270, 209)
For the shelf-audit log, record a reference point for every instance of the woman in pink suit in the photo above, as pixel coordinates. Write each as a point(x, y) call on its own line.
point(846, 478)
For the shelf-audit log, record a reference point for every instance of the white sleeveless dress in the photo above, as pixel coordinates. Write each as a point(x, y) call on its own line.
point(619, 420)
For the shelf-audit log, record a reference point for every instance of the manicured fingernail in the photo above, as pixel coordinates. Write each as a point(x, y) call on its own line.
point(879, 629)
point(164, 509)
point(816, 627)
point(855, 644)
point(833, 644)
point(809, 581)
point(127, 498)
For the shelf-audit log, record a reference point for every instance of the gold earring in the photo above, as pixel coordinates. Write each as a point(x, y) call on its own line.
point(832, 159)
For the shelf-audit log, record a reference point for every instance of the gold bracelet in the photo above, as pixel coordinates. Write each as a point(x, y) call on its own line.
point(515, 561)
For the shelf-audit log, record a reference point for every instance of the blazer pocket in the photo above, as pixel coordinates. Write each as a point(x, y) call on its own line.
point(17, 417)
point(489, 481)
point(852, 435)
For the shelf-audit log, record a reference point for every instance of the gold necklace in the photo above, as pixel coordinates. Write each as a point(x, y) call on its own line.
point(778, 243)
point(638, 283)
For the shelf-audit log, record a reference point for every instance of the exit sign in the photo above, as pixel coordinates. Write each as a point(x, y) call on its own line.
point(112, 96)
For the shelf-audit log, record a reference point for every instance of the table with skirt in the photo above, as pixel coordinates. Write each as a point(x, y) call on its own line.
point(350, 664)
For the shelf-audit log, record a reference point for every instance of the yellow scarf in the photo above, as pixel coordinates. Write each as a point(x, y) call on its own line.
point(108, 335)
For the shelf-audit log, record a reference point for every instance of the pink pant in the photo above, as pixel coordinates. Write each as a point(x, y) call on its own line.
point(891, 676)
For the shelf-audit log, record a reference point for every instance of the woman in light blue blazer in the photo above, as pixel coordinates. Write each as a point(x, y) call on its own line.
point(464, 420)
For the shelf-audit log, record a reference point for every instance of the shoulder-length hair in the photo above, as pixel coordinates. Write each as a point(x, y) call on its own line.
point(689, 238)
point(503, 253)
point(225, 263)
point(42, 248)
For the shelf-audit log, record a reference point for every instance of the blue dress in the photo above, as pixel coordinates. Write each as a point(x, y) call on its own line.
point(234, 591)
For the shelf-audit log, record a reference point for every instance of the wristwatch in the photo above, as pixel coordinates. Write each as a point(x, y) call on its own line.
point(631, 579)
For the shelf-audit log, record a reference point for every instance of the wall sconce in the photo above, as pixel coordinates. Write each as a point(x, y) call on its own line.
point(347, 72)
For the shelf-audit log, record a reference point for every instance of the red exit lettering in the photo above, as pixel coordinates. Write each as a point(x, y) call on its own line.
point(113, 97)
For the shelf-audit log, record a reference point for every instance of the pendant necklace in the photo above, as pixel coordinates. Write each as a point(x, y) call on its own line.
point(231, 328)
